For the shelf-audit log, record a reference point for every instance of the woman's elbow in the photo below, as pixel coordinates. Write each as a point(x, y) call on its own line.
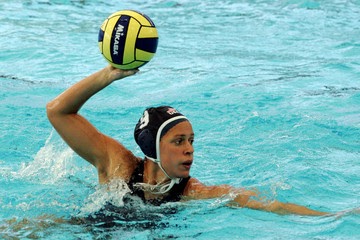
point(51, 110)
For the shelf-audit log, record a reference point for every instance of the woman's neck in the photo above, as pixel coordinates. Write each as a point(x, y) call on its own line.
point(153, 174)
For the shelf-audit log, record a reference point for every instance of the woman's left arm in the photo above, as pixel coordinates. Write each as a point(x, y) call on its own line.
point(244, 198)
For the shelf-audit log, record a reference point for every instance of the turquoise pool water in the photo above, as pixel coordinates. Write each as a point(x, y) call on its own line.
point(272, 89)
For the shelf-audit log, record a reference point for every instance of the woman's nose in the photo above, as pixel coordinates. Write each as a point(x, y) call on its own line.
point(189, 149)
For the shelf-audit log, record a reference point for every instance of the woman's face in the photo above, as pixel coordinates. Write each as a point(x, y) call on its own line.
point(176, 150)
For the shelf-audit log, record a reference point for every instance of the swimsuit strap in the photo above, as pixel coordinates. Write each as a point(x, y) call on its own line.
point(136, 177)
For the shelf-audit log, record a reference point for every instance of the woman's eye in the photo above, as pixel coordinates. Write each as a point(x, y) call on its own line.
point(178, 141)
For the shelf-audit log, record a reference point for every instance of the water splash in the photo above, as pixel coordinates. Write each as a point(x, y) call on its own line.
point(112, 192)
point(51, 163)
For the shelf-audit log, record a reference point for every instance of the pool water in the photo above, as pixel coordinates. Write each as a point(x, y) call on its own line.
point(272, 89)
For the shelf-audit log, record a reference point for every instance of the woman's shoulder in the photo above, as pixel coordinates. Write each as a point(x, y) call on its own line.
point(121, 162)
point(192, 187)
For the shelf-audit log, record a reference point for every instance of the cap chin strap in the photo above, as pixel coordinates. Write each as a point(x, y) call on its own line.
point(165, 187)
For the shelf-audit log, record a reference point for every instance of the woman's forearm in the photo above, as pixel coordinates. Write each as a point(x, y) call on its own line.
point(282, 208)
point(290, 208)
point(72, 99)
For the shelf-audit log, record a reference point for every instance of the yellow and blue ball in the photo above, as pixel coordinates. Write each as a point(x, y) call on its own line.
point(128, 39)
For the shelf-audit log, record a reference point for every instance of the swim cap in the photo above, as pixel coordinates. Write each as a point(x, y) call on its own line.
point(154, 124)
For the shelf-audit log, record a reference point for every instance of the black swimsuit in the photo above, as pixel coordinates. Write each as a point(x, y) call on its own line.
point(109, 215)
point(174, 194)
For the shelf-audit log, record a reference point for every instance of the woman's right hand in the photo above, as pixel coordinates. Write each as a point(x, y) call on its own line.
point(112, 74)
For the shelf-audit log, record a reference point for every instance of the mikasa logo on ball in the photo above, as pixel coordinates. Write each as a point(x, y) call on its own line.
point(118, 34)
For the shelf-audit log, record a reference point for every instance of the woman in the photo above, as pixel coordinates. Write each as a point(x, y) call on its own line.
point(163, 134)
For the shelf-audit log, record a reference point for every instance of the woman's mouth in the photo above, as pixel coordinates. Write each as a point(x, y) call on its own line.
point(187, 164)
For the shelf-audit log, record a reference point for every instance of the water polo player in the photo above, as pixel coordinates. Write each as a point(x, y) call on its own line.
point(164, 135)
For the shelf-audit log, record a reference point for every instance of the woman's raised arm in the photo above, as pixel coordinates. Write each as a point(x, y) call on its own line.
point(76, 131)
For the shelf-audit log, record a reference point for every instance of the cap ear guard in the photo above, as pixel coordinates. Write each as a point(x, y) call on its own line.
point(146, 140)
